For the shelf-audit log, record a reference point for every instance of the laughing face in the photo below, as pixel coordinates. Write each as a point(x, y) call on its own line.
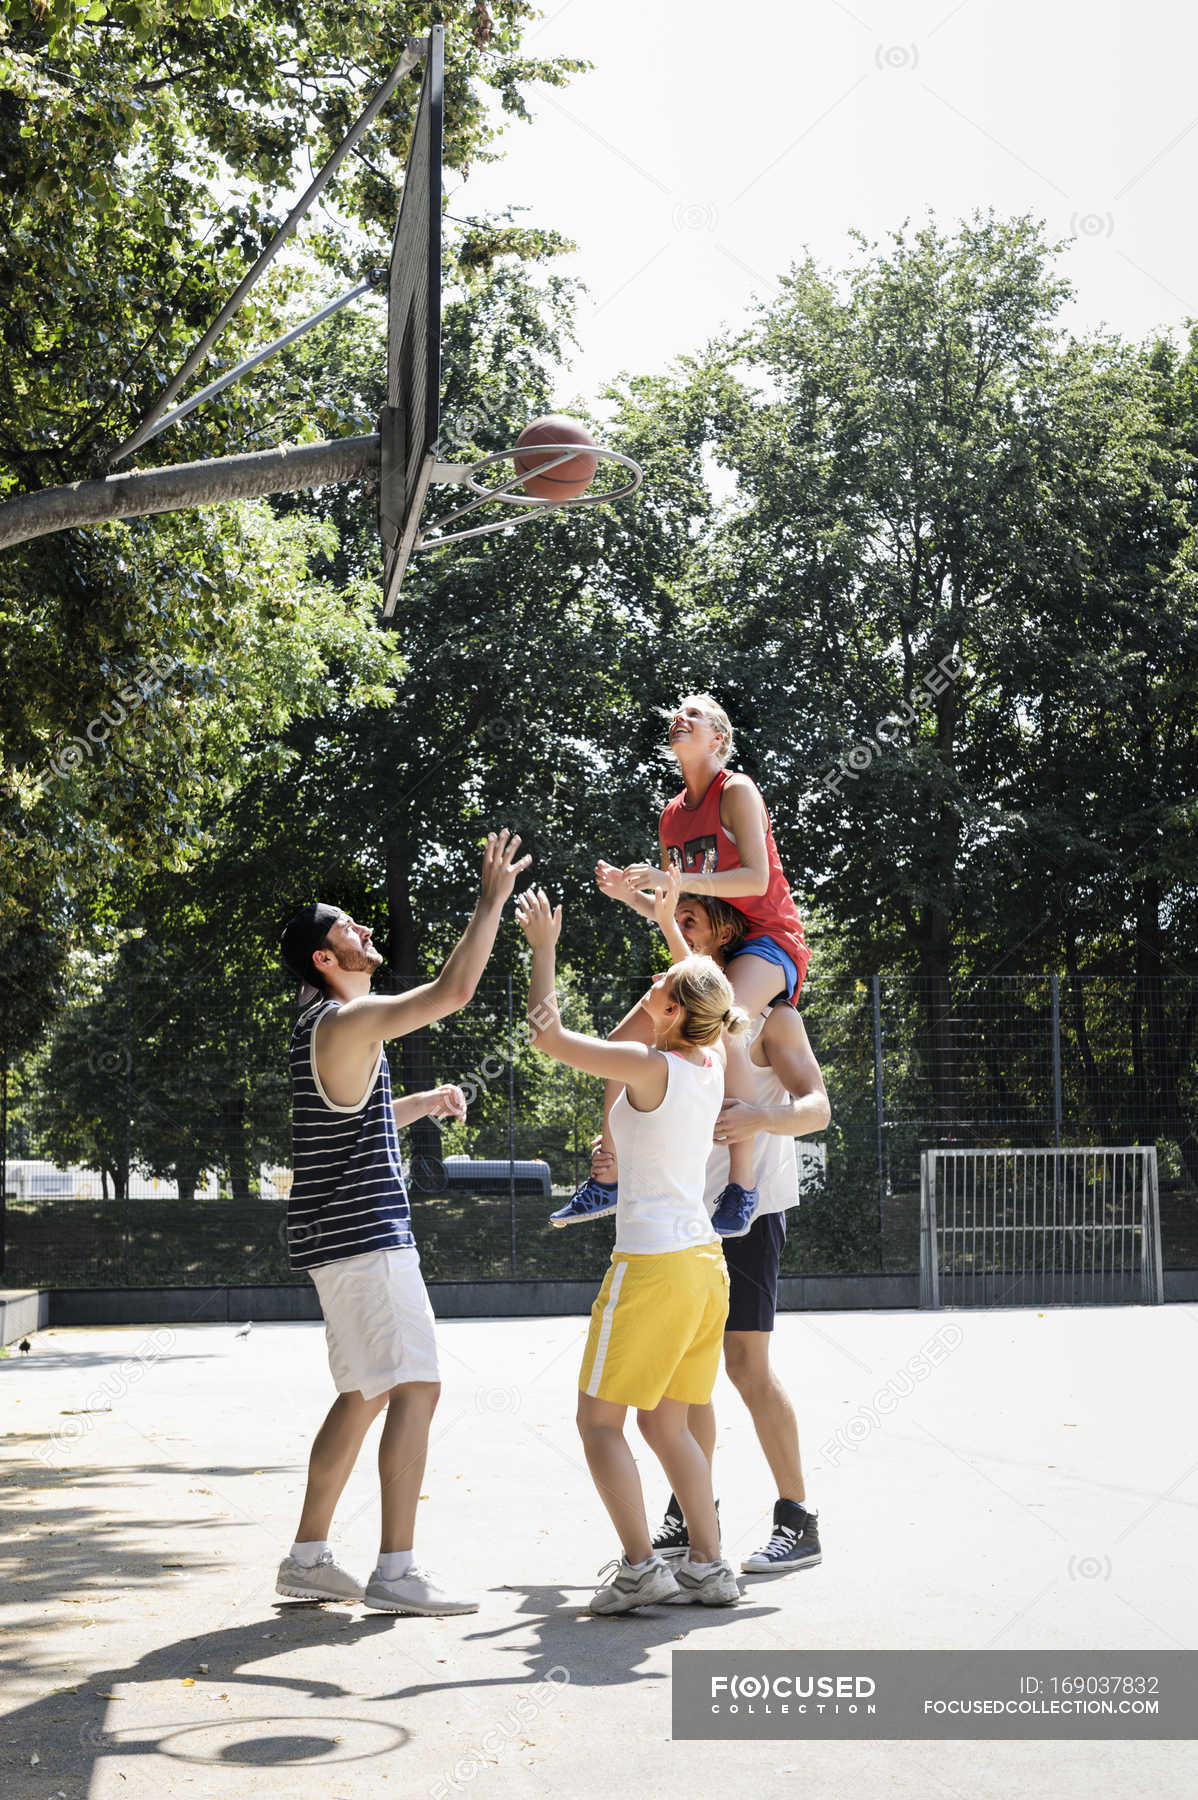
point(691, 731)
point(352, 947)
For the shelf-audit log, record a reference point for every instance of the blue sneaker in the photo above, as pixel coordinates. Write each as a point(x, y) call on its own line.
point(734, 1210)
point(592, 1201)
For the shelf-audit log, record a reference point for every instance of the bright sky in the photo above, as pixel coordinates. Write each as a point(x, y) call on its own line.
point(709, 148)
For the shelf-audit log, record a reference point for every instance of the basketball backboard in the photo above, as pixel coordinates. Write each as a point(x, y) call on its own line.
point(409, 420)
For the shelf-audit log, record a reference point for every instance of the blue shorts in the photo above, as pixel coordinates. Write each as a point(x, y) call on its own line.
point(770, 952)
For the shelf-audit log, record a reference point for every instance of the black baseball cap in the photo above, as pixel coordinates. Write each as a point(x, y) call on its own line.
point(304, 932)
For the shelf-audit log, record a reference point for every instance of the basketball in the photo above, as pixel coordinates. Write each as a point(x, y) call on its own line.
point(569, 479)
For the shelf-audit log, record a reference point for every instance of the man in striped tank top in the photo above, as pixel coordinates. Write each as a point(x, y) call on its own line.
point(349, 1225)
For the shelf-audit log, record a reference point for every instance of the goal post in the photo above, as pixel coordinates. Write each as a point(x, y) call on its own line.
point(1040, 1227)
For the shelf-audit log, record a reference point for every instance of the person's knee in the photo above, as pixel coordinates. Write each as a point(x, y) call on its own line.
point(657, 1431)
point(417, 1396)
point(747, 1366)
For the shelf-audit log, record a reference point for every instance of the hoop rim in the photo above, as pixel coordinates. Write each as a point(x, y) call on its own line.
point(566, 452)
point(434, 536)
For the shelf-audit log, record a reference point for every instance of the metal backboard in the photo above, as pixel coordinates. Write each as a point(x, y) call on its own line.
point(409, 421)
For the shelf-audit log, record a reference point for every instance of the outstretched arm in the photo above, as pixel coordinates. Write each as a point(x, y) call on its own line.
point(361, 1025)
point(664, 904)
point(641, 1069)
point(447, 1102)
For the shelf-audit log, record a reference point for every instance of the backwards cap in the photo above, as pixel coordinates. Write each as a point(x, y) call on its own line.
point(304, 932)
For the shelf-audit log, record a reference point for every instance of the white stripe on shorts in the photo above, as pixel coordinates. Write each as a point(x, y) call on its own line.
point(605, 1331)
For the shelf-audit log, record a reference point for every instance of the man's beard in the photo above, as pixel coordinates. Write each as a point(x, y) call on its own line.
point(355, 961)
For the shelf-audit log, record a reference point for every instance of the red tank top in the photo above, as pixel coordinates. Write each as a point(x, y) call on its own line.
point(696, 842)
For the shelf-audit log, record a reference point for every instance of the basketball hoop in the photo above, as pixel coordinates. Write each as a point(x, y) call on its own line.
point(510, 493)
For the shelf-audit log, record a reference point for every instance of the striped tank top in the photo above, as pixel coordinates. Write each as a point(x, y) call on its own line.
point(348, 1194)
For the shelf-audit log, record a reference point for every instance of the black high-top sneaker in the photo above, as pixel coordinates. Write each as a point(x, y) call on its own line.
point(672, 1540)
point(794, 1544)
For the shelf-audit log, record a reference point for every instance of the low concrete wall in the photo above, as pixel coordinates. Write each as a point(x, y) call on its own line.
point(451, 1300)
point(22, 1311)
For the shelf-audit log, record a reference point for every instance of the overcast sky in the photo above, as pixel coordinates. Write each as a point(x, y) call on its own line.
point(711, 145)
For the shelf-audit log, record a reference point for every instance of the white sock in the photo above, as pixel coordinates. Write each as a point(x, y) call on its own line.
point(308, 1555)
point(394, 1564)
point(698, 1568)
point(637, 1568)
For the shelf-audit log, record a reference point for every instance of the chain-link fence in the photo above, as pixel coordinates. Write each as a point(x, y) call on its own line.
point(141, 1156)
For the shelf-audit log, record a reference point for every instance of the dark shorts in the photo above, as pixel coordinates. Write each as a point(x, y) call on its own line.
point(753, 1273)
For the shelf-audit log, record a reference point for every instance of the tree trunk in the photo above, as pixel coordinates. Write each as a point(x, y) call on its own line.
point(242, 1184)
point(187, 1176)
point(427, 1170)
point(1093, 1081)
point(935, 958)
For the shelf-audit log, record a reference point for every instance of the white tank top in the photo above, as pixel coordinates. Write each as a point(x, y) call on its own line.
point(663, 1161)
point(775, 1164)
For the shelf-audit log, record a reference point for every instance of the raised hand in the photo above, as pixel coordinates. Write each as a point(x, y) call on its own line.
point(641, 876)
point(500, 867)
point(610, 879)
point(665, 900)
point(540, 922)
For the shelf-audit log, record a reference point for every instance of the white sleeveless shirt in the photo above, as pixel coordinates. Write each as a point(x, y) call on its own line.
point(775, 1162)
point(663, 1161)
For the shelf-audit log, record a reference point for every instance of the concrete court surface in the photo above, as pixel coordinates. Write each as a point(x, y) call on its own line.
point(985, 1479)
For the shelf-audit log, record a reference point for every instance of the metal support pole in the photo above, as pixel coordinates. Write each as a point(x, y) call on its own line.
point(511, 1121)
point(407, 62)
point(260, 356)
point(1056, 1059)
point(879, 1115)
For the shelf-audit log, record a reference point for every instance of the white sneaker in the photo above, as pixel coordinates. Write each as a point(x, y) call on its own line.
point(324, 1579)
point(419, 1591)
point(634, 1587)
point(717, 1587)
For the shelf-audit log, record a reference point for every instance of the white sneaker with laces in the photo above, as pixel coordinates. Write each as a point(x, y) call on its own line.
point(633, 1587)
point(324, 1579)
point(717, 1586)
point(419, 1591)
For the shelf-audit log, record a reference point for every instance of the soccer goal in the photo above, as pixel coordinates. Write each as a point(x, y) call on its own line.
point(1039, 1227)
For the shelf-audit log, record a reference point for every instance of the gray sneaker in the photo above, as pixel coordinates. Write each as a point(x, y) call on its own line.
point(718, 1587)
point(419, 1591)
point(634, 1587)
point(324, 1579)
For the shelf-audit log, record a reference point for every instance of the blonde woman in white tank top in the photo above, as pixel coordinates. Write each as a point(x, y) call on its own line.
point(657, 1325)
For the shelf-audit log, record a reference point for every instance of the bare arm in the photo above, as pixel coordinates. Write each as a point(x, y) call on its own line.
point(742, 812)
point(788, 1052)
point(446, 1102)
point(664, 904)
point(642, 1070)
point(355, 1031)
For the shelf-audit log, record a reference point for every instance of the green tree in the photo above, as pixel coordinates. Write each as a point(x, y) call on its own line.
point(935, 492)
point(149, 154)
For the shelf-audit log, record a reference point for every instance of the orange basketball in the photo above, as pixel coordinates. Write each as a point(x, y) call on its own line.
point(569, 479)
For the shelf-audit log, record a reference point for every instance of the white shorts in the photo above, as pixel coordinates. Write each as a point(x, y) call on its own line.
point(379, 1324)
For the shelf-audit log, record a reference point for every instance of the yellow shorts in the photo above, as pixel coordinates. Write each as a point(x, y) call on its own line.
point(657, 1327)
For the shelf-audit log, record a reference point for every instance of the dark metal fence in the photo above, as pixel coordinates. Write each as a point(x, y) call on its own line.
point(142, 1152)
